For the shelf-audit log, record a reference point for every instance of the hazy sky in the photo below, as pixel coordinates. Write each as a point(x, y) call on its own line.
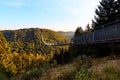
point(60, 15)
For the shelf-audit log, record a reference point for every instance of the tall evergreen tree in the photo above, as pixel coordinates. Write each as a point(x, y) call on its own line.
point(88, 28)
point(117, 7)
point(105, 13)
point(78, 31)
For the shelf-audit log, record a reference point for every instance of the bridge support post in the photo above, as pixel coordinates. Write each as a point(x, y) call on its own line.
point(93, 38)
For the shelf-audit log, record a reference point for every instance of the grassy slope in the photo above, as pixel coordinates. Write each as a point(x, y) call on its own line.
point(72, 71)
point(61, 72)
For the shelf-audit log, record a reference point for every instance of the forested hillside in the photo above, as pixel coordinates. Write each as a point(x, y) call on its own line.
point(29, 40)
point(68, 34)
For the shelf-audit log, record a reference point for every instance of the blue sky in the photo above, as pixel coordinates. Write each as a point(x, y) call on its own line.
point(59, 15)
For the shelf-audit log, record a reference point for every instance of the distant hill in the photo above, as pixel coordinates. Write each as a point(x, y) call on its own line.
point(68, 34)
point(29, 40)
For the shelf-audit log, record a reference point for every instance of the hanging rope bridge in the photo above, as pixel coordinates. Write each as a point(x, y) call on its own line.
point(63, 43)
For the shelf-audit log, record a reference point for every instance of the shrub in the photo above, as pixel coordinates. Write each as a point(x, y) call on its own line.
point(83, 74)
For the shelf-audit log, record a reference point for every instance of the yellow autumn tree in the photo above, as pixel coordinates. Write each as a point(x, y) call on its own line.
point(6, 59)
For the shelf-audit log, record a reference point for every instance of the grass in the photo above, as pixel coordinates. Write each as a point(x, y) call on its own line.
point(3, 76)
point(108, 72)
point(62, 72)
point(79, 70)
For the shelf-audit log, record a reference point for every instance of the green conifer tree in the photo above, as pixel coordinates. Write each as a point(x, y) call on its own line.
point(117, 9)
point(78, 31)
point(105, 13)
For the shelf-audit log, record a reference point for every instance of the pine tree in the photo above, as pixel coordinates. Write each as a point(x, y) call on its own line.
point(105, 13)
point(117, 9)
point(88, 28)
point(78, 31)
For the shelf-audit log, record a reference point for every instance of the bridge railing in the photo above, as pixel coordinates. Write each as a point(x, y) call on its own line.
point(108, 32)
